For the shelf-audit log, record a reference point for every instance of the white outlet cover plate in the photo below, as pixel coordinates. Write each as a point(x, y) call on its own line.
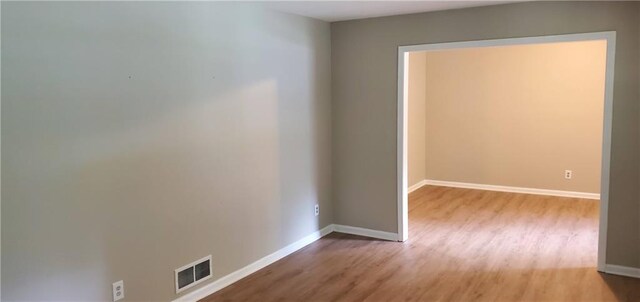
point(118, 290)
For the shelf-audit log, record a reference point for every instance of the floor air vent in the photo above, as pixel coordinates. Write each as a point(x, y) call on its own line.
point(193, 273)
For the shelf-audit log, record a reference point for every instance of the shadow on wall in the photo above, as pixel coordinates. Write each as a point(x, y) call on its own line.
point(137, 146)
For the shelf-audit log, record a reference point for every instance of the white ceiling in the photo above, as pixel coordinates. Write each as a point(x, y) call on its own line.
point(348, 10)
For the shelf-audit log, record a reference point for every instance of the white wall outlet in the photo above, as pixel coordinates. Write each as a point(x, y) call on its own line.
point(118, 290)
point(317, 210)
point(568, 174)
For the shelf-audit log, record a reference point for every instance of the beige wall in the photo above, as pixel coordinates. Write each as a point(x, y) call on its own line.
point(364, 90)
point(516, 115)
point(416, 127)
point(219, 143)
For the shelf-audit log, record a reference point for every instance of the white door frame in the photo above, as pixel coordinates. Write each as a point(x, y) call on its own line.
point(403, 60)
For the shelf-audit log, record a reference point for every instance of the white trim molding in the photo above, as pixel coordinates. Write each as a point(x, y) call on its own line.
point(417, 185)
point(509, 189)
point(402, 112)
point(365, 232)
point(253, 267)
point(233, 277)
point(403, 144)
point(622, 270)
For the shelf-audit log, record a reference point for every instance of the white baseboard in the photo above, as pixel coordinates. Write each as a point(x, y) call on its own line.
point(511, 189)
point(622, 270)
point(253, 267)
point(418, 185)
point(287, 250)
point(365, 232)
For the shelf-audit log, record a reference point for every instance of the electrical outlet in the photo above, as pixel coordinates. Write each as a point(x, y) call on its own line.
point(568, 174)
point(317, 210)
point(118, 290)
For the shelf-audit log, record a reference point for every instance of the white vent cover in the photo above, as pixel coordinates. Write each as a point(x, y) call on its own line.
point(193, 274)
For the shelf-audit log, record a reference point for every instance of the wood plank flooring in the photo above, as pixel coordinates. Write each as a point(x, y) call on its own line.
point(464, 245)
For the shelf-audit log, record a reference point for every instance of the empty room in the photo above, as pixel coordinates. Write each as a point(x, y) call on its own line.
point(489, 129)
point(320, 151)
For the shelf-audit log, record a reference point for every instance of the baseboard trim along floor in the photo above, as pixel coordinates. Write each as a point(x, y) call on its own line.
point(464, 185)
point(365, 232)
point(229, 279)
point(622, 270)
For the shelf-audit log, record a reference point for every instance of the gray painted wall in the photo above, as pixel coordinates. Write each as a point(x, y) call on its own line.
point(364, 98)
point(138, 137)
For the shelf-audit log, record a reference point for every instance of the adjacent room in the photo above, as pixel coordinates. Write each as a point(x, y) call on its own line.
point(320, 151)
point(504, 156)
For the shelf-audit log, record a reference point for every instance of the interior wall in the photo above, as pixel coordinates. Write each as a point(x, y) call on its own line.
point(139, 137)
point(364, 102)
point(517, 115)
point(638, 85)
point(416, 127)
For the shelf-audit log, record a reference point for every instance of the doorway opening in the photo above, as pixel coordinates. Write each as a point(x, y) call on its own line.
point(403, 113)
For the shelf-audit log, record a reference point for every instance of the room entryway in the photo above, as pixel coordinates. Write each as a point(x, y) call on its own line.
point(555, 146)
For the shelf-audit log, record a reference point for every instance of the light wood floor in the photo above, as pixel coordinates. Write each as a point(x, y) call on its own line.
point(464, 245)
